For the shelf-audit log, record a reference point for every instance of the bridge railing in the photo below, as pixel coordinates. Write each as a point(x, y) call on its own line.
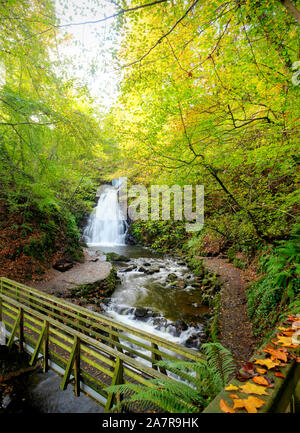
point(88, 348)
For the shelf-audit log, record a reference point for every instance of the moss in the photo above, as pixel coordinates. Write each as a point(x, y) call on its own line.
point(114, 257)
point(99, 289)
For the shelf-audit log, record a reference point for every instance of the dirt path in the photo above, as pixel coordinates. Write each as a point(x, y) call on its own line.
point(234, 325)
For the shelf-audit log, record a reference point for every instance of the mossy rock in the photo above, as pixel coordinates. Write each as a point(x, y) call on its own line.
point(114, 257)
point(98, 289)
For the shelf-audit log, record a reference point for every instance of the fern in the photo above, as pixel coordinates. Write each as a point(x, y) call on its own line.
point(197, 383)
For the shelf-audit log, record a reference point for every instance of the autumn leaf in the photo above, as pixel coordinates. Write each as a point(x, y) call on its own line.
point(261, 370)
point(231, 388)
point(260, 380)
point(285, 341)
point(280, 375)
point(225, 408)
point(276, 353)
point(283, 328)
point(250, 404)
point(269, 363)
point(251, 388)
point(233, 396)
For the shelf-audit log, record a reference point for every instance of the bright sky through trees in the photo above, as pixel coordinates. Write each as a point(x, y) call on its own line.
point(88, 47)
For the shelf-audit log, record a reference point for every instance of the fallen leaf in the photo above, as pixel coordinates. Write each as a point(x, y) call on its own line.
point(276, 353)
point(280, 375)
point(225, 408)
point(283, 328)
point(251, 388)
point(285, 341)
point(260, 380)
point(248, 367)
point(270, 363)
point(250, 404)
point(261, 370)
point(233, 396)
point(231, 388)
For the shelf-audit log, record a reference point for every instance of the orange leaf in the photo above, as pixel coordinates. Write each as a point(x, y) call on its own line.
point(261, 370)
point(280, 375)
point(250, 404)
point(225, 408)
point(233, 396)
point(260, 380)
point(251, 388)
point(276, 353)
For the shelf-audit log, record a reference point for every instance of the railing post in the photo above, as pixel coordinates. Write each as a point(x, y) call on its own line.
point(77, 370)
point(74, 361)
point(21, 330)
point(155, 357)
point(116, 380)
point(46, 347)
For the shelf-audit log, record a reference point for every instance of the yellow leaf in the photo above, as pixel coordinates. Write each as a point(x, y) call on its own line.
point(267, 362)
point(251, 388)
point(285, 341)
point(231, 388)
point(225, 408)
point(250, 404)
point(261, 370)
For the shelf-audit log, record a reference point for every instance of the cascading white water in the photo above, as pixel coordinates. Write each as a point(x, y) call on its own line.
point(107, 225)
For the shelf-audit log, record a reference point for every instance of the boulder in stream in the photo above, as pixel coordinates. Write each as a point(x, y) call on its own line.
point(114, 257)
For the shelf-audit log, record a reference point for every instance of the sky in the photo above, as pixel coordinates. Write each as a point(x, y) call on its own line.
point(89, 47)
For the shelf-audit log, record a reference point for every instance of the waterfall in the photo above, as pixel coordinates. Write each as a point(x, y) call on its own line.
point(107, 225)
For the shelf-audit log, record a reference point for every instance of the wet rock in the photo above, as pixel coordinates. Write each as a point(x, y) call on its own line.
point(114, 257)
point(180, 325)
point(63, 265)
point(206, 317)
point(129, 269)
point(141, 312)
point(152, 271)
point(142, 269)
point(181, 284)
point(106, 301)
point(193, 341)
point(171, 277)
point(159, 322)
point(196, 284)
point(147, 264)
point(181, 263)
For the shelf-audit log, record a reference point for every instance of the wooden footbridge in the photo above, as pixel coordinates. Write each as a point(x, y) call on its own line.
point(88, 349)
